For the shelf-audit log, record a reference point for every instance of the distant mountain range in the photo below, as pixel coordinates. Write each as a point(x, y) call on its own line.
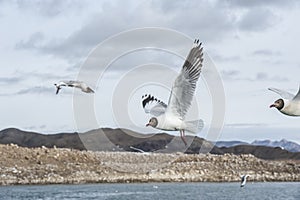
point(107, 139)
point(283, 144)
point(230, 143)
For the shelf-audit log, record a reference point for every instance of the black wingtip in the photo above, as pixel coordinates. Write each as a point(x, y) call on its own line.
point(196, 41)
point(146, 99)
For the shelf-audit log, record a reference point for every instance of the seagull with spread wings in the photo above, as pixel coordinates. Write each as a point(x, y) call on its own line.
point(171, 117)
point(289, 104)
point(244, 179)
point(77, 84)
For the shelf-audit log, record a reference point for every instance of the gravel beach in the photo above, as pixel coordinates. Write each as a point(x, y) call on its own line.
point(43, 165)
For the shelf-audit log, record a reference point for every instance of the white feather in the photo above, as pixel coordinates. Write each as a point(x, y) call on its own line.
point(282, 93)
point(171, 117)
point(153, 105)
point(185, 84)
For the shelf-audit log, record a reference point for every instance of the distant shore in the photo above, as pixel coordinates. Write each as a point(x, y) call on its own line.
point(66, 166)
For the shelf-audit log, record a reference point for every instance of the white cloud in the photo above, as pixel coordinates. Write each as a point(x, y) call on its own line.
point(251, 42)
point(259, 3)
point(266, 52)
point(257, 19)
point(10, 80)
point(211, 21)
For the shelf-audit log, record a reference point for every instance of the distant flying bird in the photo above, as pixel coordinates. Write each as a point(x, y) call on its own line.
point(244, 180)
point(139, 150)
point(171, 117)
point(289, 104)
point(77, 84)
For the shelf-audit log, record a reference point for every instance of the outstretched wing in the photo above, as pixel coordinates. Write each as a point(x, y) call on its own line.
point(242, 179)
point(282, 93)
point(57, 89)
point(73, 83)
point(185, 84)
point(297, 97)
point(153, 105)
point(59, 85)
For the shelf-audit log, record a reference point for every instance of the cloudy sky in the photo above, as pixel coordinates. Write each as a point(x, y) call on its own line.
point(253, 44)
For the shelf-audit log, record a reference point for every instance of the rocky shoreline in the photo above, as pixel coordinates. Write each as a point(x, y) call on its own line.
point(19, 165)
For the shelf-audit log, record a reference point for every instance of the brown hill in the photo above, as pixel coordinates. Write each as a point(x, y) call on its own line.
point(107, 139)
point(33, 139)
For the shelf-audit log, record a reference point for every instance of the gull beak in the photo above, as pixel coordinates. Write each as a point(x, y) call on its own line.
point(148, 124)
point(273, 105)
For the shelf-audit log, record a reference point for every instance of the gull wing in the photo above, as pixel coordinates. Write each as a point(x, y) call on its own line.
point(59, 85)
point(282, 93)
point(153, 105)
point(242, 180)
point(297, 97)
point(81, 85)
point(57, 90)
point(73, 83)
point(185, 84)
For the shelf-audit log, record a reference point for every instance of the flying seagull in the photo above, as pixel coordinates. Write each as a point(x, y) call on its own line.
point(289, 104)
point(171, 117)
point(77, 84)
point(139, 150)
point(244, 179)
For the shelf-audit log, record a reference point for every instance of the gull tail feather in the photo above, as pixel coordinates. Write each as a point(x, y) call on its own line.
point(194, 126)
point(89, 90)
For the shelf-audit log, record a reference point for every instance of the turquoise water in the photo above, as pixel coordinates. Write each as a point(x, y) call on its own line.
point(152, 191)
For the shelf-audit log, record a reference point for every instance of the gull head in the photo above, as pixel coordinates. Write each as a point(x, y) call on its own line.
point(278, 104)
point(152, 122)
point(56, 85)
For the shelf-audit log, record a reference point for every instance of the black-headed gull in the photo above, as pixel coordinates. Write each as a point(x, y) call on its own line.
point(289, 104)
point(244, 180)
point(77, 84)
point(171, 117)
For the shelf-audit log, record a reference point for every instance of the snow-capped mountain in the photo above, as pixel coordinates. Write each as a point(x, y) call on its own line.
point(284, 144)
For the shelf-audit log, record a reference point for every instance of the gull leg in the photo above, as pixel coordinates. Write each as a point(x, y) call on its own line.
point(182, 135)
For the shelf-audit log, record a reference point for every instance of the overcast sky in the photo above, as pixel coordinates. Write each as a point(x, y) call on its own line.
point(253, 44)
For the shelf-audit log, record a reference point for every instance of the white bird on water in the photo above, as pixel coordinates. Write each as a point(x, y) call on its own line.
point(244, 180)
point(77, 84)
point(171, 117)
point(289, 104)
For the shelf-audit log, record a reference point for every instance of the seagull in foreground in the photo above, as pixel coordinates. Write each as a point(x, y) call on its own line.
point(289, 104)
point(77, 84)
point(171, 117)
point(244, 179)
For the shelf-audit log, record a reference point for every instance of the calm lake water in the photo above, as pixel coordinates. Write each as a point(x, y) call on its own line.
point(153, 191)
